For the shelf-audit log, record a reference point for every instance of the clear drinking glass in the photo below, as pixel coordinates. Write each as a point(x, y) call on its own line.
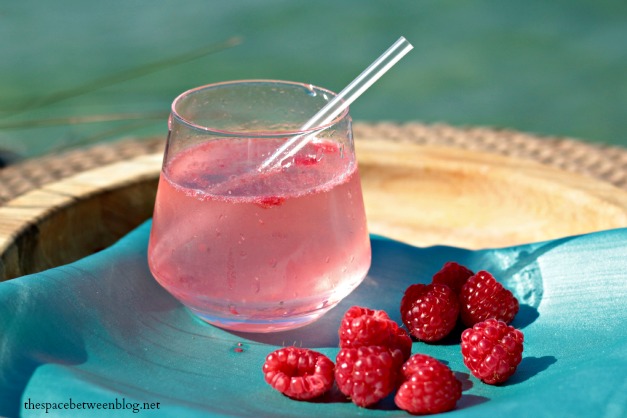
point(250, 250)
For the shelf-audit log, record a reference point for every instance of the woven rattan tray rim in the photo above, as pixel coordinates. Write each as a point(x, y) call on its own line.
point(606, 163)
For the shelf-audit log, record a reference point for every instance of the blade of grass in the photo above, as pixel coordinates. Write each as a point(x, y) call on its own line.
point(79, 120)
point(126, 75)
point(103, 135)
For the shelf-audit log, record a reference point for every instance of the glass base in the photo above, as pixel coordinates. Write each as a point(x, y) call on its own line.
point(258, 325)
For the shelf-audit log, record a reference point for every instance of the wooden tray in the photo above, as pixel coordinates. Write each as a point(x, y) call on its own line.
point(424, 195)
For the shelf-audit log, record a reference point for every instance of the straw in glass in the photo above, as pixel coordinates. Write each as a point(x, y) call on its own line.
point(339, 103)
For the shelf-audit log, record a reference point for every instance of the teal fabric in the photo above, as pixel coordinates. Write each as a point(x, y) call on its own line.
point(102, 330)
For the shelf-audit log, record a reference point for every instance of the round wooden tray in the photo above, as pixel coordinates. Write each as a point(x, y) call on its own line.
point(417, 191)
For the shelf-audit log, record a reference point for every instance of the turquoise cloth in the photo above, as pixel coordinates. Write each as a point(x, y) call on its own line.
point(102, 330)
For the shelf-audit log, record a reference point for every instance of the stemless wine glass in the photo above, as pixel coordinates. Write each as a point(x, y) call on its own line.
point(251, 250)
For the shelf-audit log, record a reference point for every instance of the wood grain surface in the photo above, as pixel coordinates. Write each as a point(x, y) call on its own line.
point(427, 195)
point(422, 195)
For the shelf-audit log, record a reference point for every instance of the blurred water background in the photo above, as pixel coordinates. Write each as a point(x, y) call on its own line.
point(74, 72)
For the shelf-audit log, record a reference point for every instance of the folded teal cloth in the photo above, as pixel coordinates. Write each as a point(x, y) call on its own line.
point(99, 337)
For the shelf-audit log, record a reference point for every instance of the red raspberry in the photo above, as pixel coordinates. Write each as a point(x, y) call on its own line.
point(429, 386)
point(270, 201)
point(429, 311)
point(299, 373)
point(400, 340)
point(305, 160)
point(367, 374)
point(482, 297)
point(492, 350)
point(362, 327)
point(453, 275)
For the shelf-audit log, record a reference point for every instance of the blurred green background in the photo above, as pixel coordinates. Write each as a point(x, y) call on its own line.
point(74, 72)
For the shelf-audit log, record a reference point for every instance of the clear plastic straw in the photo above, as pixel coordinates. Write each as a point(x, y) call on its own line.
point(336, 106)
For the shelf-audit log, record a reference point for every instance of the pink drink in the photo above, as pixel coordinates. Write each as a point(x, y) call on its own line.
point(254, 252)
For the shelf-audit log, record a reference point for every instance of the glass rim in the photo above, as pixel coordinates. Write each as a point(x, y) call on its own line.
point(262, 133)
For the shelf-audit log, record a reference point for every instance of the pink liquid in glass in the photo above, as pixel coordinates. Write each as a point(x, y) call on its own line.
point(259, 252)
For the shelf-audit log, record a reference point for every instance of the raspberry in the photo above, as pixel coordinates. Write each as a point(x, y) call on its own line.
point(299, 373)
point(400, 340)
point(362, 327)
point(270, 201)
point(429, 311)
point(367, 374)
point(453, 275)
point(429, 386)
point(305, 160)
point(482, 297)
point(492, 350)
